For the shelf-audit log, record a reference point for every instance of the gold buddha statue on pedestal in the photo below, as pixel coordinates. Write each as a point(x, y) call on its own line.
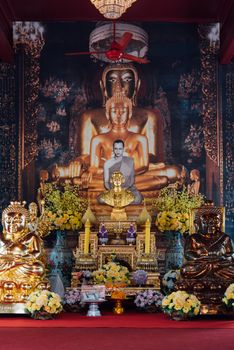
point(21, 249)
point(117, 197)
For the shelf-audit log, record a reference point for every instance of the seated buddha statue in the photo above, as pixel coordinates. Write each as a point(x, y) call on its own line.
point(149, 176)
point(148, 122)
point(209, 266)
point(210, 252)
point(21, 268)
point(117, 196)
point(194, 186)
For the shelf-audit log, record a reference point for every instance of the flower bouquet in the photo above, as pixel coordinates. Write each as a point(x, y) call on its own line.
point(149, 300)
point(139, 277)
point(71, 300)
point(181, 305)
point(112, 275)
point(43, 305)
point(228, 298)
point(64, 207)
point(173, 207)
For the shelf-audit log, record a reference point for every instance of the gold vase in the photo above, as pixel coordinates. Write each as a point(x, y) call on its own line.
point(118, 307)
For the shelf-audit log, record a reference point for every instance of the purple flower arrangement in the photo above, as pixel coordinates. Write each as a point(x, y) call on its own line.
point(139, 277)
point(72, 297)
point(149, 300)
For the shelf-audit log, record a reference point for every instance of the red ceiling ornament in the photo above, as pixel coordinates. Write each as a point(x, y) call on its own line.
point(112, 9)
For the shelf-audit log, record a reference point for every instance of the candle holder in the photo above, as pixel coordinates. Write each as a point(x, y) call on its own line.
point(118, 240)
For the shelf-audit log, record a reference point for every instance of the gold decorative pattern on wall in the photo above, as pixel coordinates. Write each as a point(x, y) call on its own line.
point(28, 42)
point(228, 143)
point(209, 63)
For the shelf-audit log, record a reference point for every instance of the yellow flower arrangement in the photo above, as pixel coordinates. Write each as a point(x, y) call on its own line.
point(181, 303)
point(42, 303)
point(64, 207)
point(112, 274)
point(173, 207)
point(228, 298)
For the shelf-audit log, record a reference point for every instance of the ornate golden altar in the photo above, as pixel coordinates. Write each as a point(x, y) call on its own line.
point(133, 255)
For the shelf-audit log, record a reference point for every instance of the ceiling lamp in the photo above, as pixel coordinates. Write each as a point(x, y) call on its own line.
point(112, 9)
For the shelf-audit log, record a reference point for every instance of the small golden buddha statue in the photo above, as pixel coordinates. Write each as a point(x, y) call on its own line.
point(21, 249)
point(117, 196)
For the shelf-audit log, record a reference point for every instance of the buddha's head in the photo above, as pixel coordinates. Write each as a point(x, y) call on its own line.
point(194, 175)
point(119, 108)
point(126, 76)
point(15, 219)
point(33, 210)
point(117, 179)
point(44, 175)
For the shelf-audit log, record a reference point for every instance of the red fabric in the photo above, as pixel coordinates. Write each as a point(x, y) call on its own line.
point(109, 320)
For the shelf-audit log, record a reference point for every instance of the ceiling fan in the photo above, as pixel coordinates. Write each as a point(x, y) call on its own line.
point(116, 52)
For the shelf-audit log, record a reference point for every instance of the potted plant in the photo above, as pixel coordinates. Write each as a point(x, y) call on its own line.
point(43, 305)
point(173, 208)
point(180, 305)
point(112, 275)
point(228, 298)
point(71, 300)
point(149, 300)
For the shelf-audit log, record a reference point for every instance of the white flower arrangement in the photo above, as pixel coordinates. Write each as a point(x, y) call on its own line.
point(43, 304)
point(181, 303)
point(228, 298)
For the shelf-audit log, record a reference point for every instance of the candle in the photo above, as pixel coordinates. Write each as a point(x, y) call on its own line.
point(86, 237)
point(147, 236)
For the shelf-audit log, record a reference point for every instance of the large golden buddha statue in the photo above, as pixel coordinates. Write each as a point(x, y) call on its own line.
point(209, 266)
point(148, 122)
point(149, 176)
point(21, 250)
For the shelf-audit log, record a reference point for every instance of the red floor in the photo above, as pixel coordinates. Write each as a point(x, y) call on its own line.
point(109, 320)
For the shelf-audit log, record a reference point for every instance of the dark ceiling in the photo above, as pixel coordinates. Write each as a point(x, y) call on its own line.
point(186, 11)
